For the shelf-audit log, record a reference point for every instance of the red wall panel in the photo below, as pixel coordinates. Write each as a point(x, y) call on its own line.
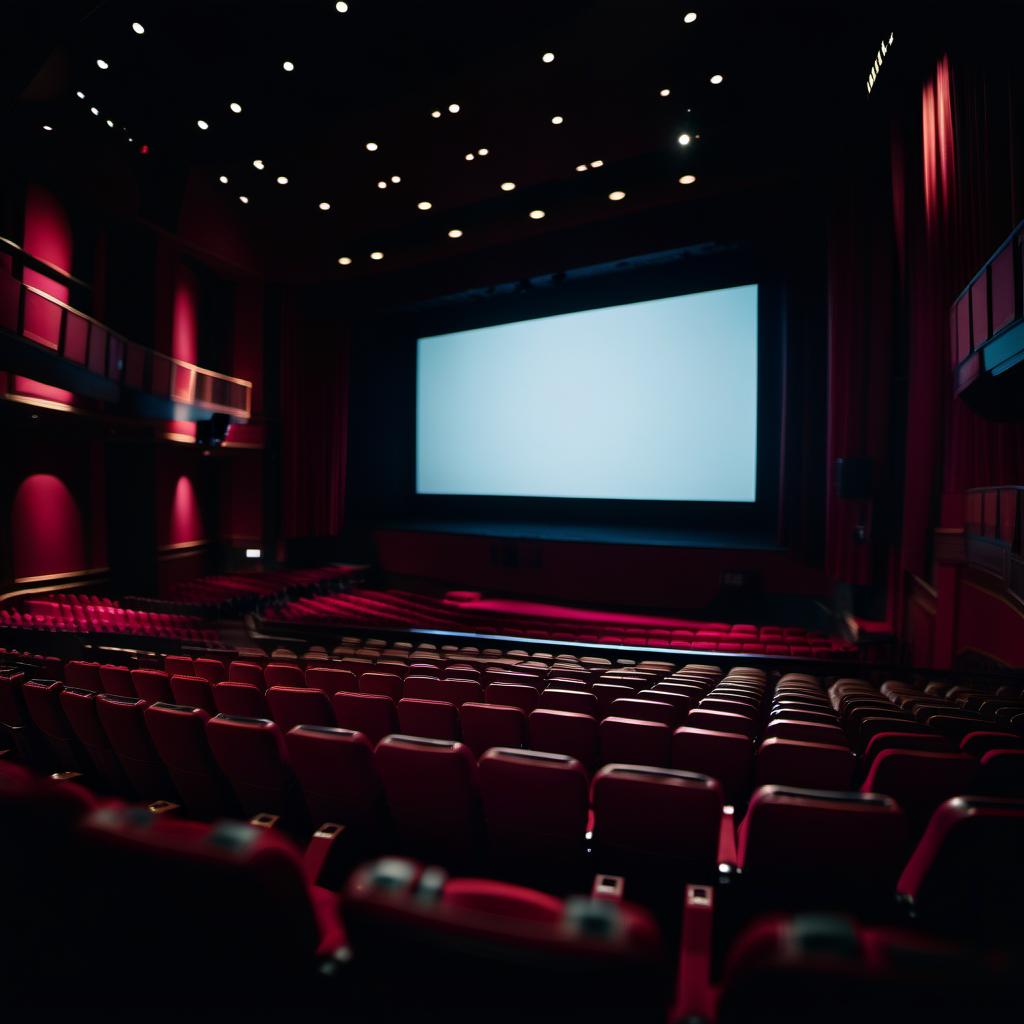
point(46, 528)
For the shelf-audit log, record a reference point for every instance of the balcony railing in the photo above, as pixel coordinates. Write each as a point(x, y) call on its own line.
point(30, 312)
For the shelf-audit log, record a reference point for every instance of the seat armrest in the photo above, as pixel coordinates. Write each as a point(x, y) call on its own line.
point(162, 807)
point(264, 820)
point(694, 996)
point(319, 850)
point(608, 887)
point(727, 838)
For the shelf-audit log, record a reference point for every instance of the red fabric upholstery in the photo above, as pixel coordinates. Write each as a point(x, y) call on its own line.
point(512, 695)
point(331, 680)
point(372, 715)
point(242, 699)
point(252, 756)
point(152, 685)
point(491, 725)
point(79, 708)
point(433, 719)
point(292, 705)
point(564, 732)
point(785, 762)
point(724, 756)
point(195, 691)
point(124, 723)
point(920, 780)
point(634, 741)
point(277, 674)
point(116, 679)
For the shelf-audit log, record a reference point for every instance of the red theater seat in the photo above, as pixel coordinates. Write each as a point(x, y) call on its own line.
point(564, 732)
point(116, 679)
point(277, 674)
point(331, 680)
point(431, 792)
point(42, 702)
point(902, 741)
point(607, 694)
point(386, 684)
point(79, 708)
point(920, 780)
point(242, 699)
point(568, 700)
point(644, 710)
point(434, 719)
point(211, 669)
point(292, 705)
point(721, 721)
point(178, 664)
point(783, 762)
point(372, 715)
point(246, 672)
point(152, 685)
point(251, 754)
point(195, 691)
point(491, 725)
point(84, 674)
point(634, 741)
point(724, 756)
point(512, 695)
point(124, 723)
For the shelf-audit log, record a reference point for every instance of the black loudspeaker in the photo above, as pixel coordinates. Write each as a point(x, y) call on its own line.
point(212, 432)
point(853, 478)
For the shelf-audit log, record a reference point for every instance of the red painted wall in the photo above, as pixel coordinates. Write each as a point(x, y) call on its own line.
point(47, 529)
point(185, 316)
point(989, 623)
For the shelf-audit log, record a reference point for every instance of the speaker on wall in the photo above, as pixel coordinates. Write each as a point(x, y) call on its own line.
point(853, 478)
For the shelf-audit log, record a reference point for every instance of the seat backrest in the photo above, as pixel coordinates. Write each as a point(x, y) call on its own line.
point(79, 707)
point(194, 691)
point(657, 819)
point(920, 780)
point(83, 674)
point(432, 719)
point(295, 705)
point(680, 702)
point(431, 792)
point(369, 713)
point(252, 756)
point(902, 741)
point(783, 762)
point(581, 702)
point(388, 684)
point(983, 740)
point(535, 805)
point(512, 695)
point(116, 679)
point(211, 668)
point(607, 693)
point(151, 684)
point(564, 732)
point(178, 665)
point(721, 721)
point(634, 741)
point(124, 723)
point(178, 733)
point(240, 699)
point(336, 772)
point(425, 687)
point(42, 701)
point(247, 672)
point(1001, 772)
point(809, 732)
point(644, 710)
point(331, 680)
point(491, 725)
point(278, 674)
point(725, 756)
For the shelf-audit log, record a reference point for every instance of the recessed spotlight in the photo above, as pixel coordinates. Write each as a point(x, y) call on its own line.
point(507, 186)
point(202, 124)
point(424, 204)
point(235, 108)
point(435, 113)
point(470, 156)
point(258, 164)
point(557, 119)
point(223, 179)
point(344, 260)
point(243, 199)
point(288, 66)
point(47, 128)
point(687, 179)
point(94, 111)
point(325, 206)
point(597, 163)
point(376, 255)
point(616, 195)
point(453, 108)
point(282, 180)
point(690, 17)
point(684, 139)
point(395, 179)
point(138, 28)
point(102, 64)
point(537, 214)
point(382, 184)
point(110, 124)
point(665, 92)
point(716, 79)
point(371, 147)
point(341, 7)
point(581, 167)
point(455, 233)
point(80, 94)
point(548, 57)
point(482, 152)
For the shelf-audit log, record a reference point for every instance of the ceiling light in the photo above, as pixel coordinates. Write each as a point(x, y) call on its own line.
point(282, 180)
point(665, 92)
point(371, 147)
point(581, 167)
point(376, 255)
point(344, 260)
point(557, 119)
point(223, 179)
point(382, 184)
point(597, 163)
point(482, 152)
point(453, 108)
point(80, 94)
point(47, 128)
point(202, 124)
point(616, 195)
point(110, 124)
point(690, 18)
point(507, 186)
point(243, 199)
point(536, 214)
point(258, 164)
point(325, 206)
point(435, 113)
point(716, 79)
point(548, 57)
point(94, 110)
point(341, 7)
point(684, 139)
point(236, 108)
point(137, 28)
point(455, 233)
point(470, 156)
point(102, 64)
point(288, 66)
point(687, 179)
point(395, 179)
point(423, 205)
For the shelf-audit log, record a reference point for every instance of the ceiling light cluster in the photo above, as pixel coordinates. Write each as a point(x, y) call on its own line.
point(258, 164)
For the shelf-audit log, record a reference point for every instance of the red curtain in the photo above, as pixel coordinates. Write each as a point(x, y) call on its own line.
point(314, 423)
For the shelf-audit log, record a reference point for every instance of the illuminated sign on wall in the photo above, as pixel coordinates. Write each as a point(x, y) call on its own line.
point(879, 60)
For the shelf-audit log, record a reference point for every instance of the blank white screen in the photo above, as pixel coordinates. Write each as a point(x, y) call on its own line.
point(651, 400)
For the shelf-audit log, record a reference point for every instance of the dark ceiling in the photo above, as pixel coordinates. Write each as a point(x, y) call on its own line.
point(376, 73)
